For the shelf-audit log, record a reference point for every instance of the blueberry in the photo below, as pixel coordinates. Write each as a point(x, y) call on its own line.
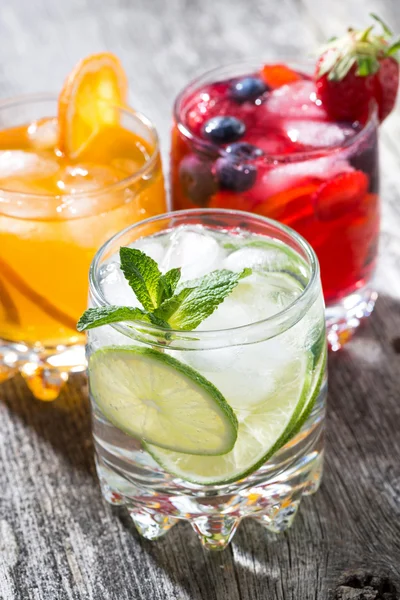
point(234, 176)
point(224, 130)
point(248, 88)
point(196, 178)
point(244, 151)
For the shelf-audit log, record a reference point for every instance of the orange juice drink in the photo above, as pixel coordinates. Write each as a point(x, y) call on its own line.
point(73, 172)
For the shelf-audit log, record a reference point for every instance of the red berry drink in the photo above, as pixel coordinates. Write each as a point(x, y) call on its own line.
point(260, 139)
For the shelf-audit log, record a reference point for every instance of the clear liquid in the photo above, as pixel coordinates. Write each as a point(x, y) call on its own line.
point(246, 374)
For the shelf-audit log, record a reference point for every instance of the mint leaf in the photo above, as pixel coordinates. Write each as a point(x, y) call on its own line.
point(199, 299)
point(171, 305)
point(149, 285)
point(143, 275)
point(172, 277)
point(167, 284)
point(104, 315)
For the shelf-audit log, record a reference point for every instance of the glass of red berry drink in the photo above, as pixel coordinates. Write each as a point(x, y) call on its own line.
point(297, 143)
point(255, 137)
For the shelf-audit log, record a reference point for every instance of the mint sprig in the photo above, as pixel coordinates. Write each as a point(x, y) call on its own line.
point(146, 280)
point(165, 303)
point(199, 299)
point(104, 315)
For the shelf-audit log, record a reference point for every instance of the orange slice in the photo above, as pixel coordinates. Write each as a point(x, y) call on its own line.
point(88, 100)
point(277, 75)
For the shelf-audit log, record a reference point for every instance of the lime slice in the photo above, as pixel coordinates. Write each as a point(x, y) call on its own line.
point(319, 347)
point(262, 429)
point(318, 381)
point(156, 398)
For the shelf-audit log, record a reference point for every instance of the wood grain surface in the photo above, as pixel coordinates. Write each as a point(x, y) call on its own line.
point(58, 539)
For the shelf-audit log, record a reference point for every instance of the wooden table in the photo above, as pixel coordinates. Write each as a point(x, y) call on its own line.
point(58, 539)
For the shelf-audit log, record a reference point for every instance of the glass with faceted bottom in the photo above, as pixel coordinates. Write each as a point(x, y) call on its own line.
point(270, 371)
point(55, 212)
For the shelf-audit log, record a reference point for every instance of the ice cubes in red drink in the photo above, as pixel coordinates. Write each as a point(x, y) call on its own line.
point(263, 142)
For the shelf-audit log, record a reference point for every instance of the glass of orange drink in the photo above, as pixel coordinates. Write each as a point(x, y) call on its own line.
point(74, 170)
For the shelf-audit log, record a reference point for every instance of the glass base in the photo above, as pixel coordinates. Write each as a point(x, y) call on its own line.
point(45, 370)
point(344, 317)
point(215, 512)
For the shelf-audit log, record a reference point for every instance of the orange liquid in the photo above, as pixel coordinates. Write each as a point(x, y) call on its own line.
point(46, 246)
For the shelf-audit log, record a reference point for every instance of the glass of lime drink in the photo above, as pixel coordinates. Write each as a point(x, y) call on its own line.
point(207, 369)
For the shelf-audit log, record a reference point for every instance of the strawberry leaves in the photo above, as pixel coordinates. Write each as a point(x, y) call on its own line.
point(361, 48)
point(388, 32)
point(356, 68)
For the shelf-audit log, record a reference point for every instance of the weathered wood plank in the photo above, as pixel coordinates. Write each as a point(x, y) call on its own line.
point(58, 539)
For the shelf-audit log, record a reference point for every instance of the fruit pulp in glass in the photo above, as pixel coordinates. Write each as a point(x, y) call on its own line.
point(55, 211)
point(262, 142)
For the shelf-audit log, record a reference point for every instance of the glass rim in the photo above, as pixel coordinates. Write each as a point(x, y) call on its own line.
point(290, 315)
point(24, 99)
point(372, 120)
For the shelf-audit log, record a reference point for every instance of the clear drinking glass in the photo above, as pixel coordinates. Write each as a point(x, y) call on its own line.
point(271, 373)
point(48, 238)
point(319, 177)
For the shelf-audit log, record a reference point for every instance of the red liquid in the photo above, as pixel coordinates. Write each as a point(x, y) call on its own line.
point(317, 176)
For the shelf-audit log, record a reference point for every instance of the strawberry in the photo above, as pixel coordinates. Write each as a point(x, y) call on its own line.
point(340, 195)
point(355, 69)
point(292, 206)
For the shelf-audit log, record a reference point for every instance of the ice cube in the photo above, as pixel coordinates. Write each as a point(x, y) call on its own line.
point(264, 296)
point(228, 315)
point(85, 177)
point(21, 164)
point(270, 141)
point(150, 247)
point(193, 249)
point(317, 134)
point(254, 299)
point(295, 100)
point(254, 258)
point(115, 287)
point(43, 134)
point(287, 176)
